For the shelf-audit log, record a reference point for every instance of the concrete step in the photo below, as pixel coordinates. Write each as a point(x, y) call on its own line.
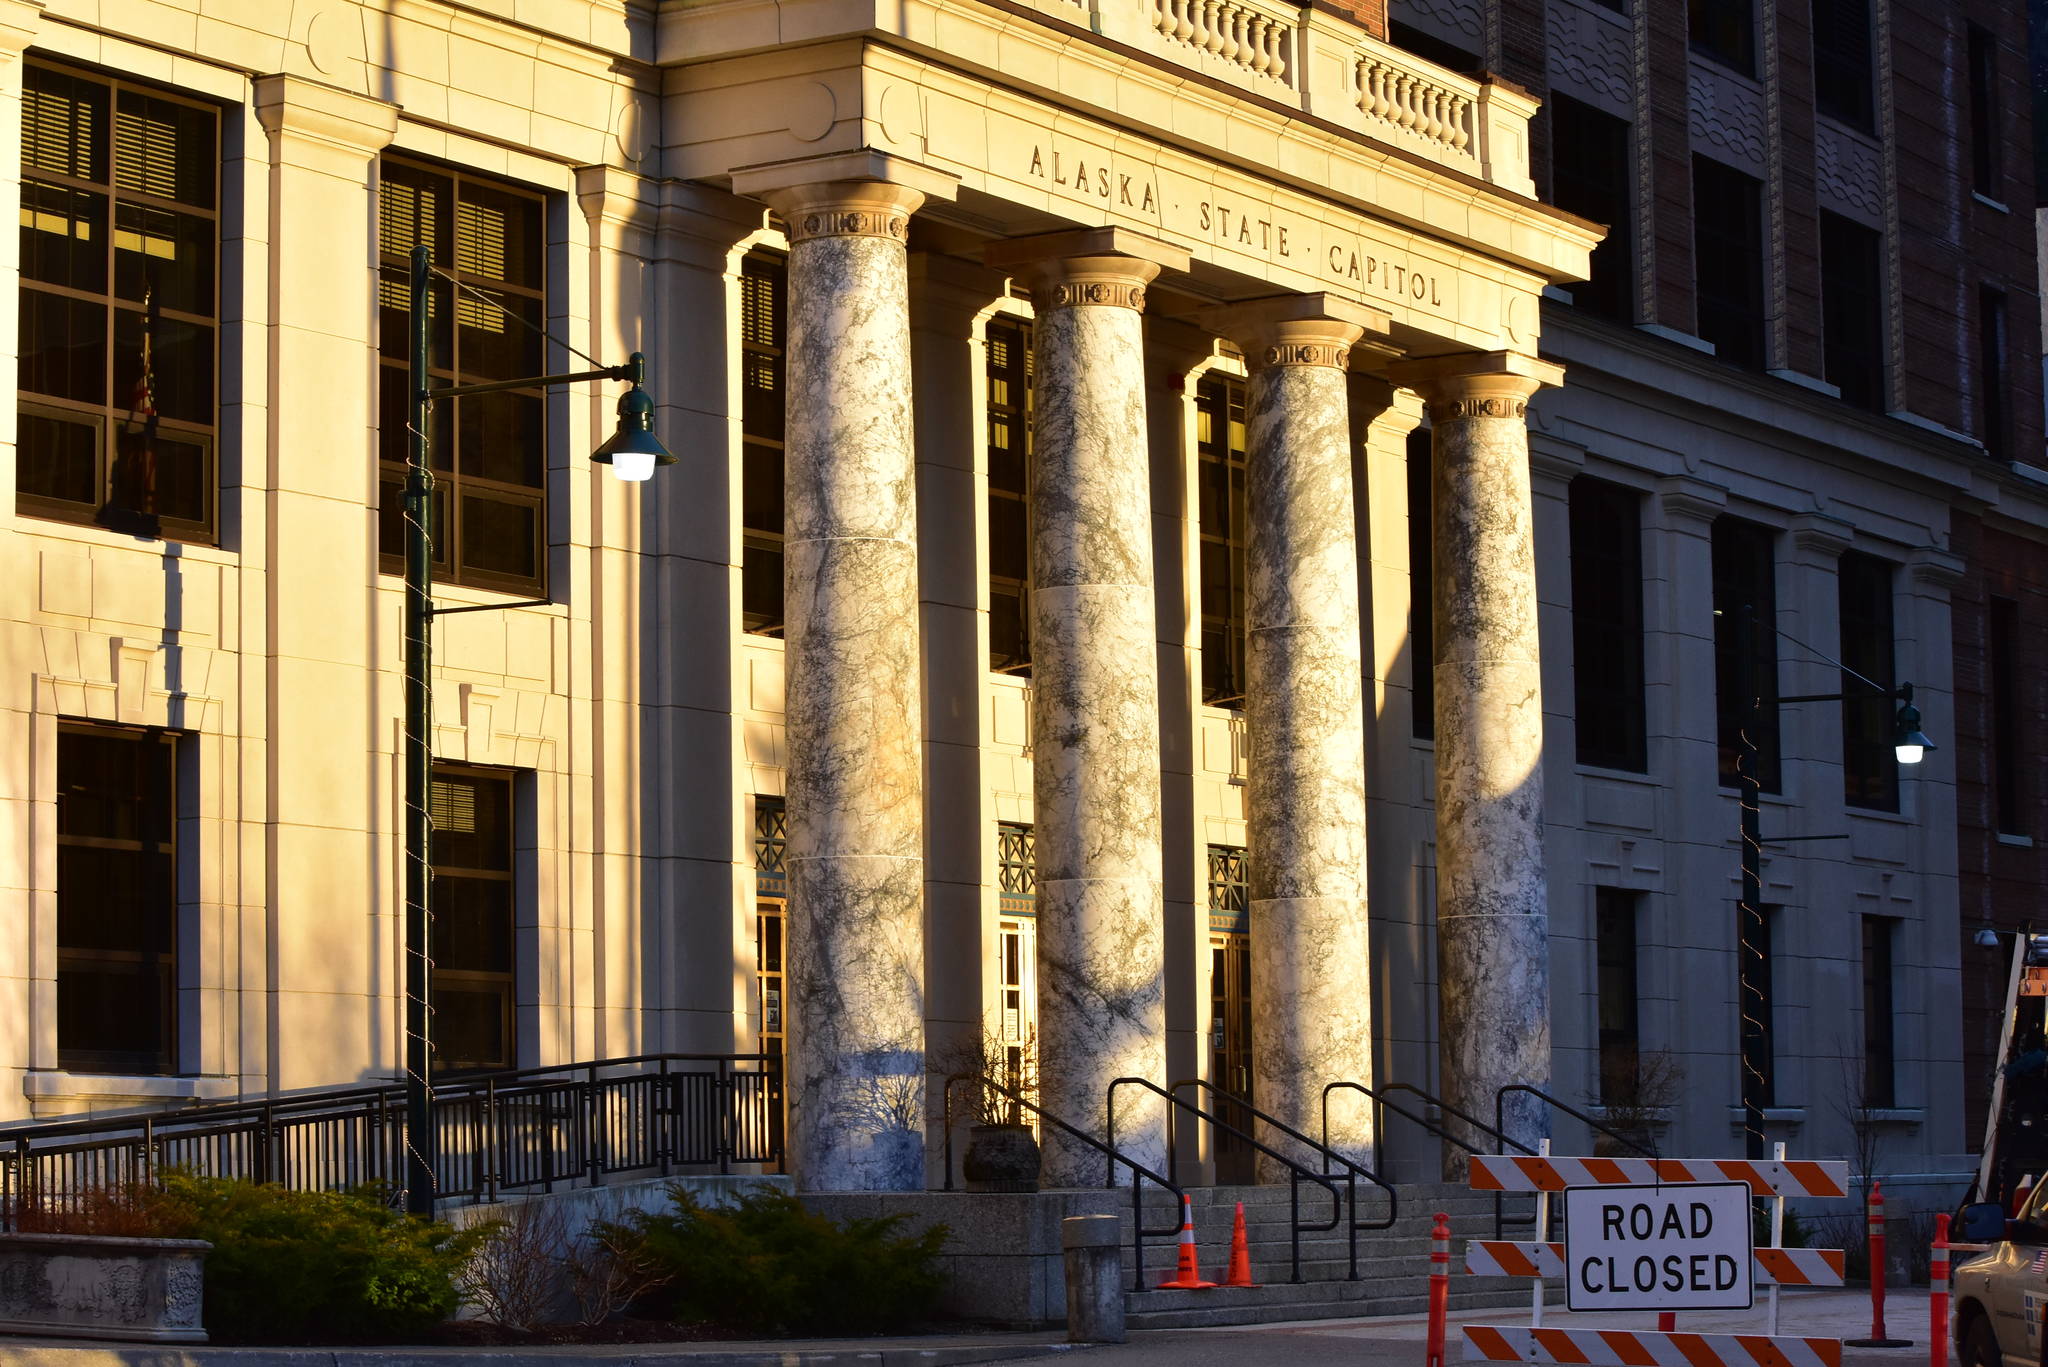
point(1304, 1301)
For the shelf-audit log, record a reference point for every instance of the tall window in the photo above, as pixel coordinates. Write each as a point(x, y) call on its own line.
point(1986, 166)
point(2007, 735)
point(1009, 496)
point(1991, 367)
point(1016, 946)
point(764, 322)
point(1725, 30)
point(1744, 576)
point(1842, 60)
point(1728, 260)
point(1870, 770)
point(474, 896)
point(1880, 1084)
point(117, 904)
point(489, 451)
point(1607, 624)
point(1421, 577)
point(119, 297)
point(1220, 476)
point(1851, 310)
point(1589, 175)
point(1614, 953)
point(771, 929)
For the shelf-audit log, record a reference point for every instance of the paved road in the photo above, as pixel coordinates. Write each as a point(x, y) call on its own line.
point(1400, 1342)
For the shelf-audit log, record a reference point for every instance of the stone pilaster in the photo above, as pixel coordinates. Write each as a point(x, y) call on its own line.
point(1492, 916)
point(1095, 718)
point(1311, 965)
point(855, 789)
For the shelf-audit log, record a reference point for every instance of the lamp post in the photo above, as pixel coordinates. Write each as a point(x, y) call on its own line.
point(1909, 746)
point(633, 452)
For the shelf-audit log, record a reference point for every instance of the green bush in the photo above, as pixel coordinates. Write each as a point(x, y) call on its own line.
point(768, 1265)
point(314, 1266)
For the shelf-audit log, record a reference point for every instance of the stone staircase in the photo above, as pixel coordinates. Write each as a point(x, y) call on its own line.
point(1393, 1264)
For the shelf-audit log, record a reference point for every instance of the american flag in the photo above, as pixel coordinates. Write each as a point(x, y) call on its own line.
point(2040, 1263)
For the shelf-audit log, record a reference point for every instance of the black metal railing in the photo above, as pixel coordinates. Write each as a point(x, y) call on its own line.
point(504, 1132)
point(1500, 1116)
point(1353, 1169)
point(1140, 1174)
point(1381, 1103)
point(1297, 1172)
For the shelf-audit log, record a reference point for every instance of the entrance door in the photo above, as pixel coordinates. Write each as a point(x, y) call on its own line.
point(771, 924)
point(1230, 1050)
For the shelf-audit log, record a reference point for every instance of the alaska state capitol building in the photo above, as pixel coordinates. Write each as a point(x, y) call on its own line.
point(1207, 543)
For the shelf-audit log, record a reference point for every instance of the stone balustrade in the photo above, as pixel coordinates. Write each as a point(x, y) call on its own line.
point(1255, 38)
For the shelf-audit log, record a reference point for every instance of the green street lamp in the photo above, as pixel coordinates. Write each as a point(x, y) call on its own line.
point(633, 452)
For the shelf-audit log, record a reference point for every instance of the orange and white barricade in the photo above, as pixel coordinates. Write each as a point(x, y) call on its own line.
point(1645, 1348)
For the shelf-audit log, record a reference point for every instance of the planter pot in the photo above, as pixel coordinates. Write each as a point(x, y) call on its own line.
point(101, 1287)
point(1001, 1158)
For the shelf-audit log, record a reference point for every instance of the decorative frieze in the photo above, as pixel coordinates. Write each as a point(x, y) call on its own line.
point(1848, 173)
point(884, 221)
point(1110, 293)
point(1496, 406)
point(1592, 56)
point(1727, 115)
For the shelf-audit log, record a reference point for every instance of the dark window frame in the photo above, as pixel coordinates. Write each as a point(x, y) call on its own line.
point(763, 366)
point(2008, 732)
point(1987, 162)
point(1016, 863)
point(461, 495)
point(1880, 995)
point(450, 972)
point(1728, 261)
point(1010, 375)
point(84, 952)
point(1852, 310)
point(1869, 645)
point(1591, 174)
point(1745, 571)
point(1844, 62)
point(1994, 341)
point(1224, 533)
point(1724, 31)
point(1610, 691)
point(1617, 990)
point(115, 417)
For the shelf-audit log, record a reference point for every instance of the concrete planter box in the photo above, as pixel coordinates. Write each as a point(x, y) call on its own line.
point(102, 1287)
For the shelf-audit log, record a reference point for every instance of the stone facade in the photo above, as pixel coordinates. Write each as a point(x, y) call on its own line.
point(1276, 198)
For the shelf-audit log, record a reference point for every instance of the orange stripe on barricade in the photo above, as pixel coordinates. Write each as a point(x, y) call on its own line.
point(1644, 1348)
point(1490, 1343)
point(1630, 1348)
point(1559, 1345)
point(1605, 1172)
point(1696, 1350)
point(1807, 1177)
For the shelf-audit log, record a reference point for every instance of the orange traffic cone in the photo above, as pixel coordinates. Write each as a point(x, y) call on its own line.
point(1240, 1273)
point(1189, 1278)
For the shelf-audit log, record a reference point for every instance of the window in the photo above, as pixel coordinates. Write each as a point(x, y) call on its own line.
point(1614, 954)
point(488, 451)
point(1728, 251)
point(1589, 176)
point(764, 323)
point(1017, 868)
point(1986, 170)
point(1229, 889)
point(1220, 477)
point(119, 297)
point(1870, 770)
point(1851, 309)
point(1991, 360)
point(771, 950)
point(1607, 624)
point(473, 939)
point(2007, 736)
point(1724, 30)
point(1745, 576)
point(1841, 61)
point(1009, 496)
point(1758, 947)
point(1431, 48)
point(117, 906)
point(1421, 578)
point(1880, 1088)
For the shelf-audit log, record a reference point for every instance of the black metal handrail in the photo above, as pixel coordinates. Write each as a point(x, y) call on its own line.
point(1501, 1221)
point(1329, 1155)
point(1297, 1173)
point(499, 1132)
point(1500, 1115)
point(1139, 1172)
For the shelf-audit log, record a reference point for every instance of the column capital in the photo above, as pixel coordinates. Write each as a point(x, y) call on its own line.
point(1824, 536)
point(1395, 411)
point(323, 116)
point(1296, 329)
point(1107, 266)
point(1686, 499)
point(1476, 384)
point(848, 194)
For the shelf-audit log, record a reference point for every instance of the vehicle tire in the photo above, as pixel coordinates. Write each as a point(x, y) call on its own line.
point(1977, 1346)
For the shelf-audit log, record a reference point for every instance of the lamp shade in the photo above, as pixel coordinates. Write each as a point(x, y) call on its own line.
point(634, 451)
point(1909, 742)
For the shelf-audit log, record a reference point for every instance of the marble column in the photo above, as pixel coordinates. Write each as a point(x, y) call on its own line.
point(855, 789)
point(1305, 704)
point(1095, 694)
point(1493, 942)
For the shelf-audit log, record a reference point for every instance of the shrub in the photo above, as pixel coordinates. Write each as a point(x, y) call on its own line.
point(315, 1266)
point(128, 1210)
point(766, 1264)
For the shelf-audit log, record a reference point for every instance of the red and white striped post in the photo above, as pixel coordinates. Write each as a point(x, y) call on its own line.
point(1937, 1296)
point(1439, 1288)
point(1879, 1338)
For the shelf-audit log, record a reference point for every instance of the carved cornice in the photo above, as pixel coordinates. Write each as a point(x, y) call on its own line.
point(1685, 499)
point(1823, 535)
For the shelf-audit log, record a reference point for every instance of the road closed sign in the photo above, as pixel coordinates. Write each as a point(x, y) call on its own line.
point(1683, 1247)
